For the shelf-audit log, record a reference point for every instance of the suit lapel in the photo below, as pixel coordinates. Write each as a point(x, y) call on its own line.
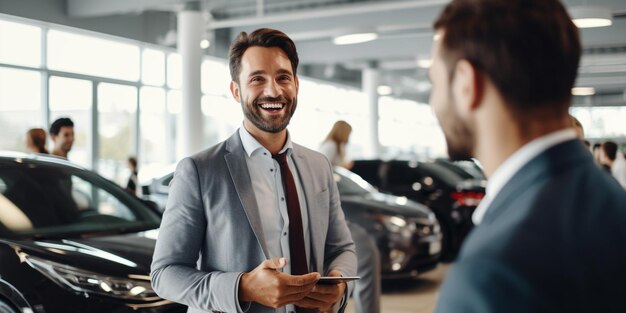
point(304, 169)
point(563, 156)
point(236, 162)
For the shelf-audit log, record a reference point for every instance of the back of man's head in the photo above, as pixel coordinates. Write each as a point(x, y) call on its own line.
point(55, 128)
point(529, 49)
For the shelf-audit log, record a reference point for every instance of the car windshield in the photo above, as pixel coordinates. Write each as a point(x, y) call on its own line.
point(38, 199)
point(350, 183)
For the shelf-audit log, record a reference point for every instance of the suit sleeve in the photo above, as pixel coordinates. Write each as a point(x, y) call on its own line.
point(173, 271)
point(473, 286)
point(339, 252)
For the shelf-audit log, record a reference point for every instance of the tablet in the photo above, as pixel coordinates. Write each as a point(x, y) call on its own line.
point(335, 280)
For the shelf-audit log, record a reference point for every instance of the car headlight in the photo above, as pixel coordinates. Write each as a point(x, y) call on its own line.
point(399, 225)
point(82, 281)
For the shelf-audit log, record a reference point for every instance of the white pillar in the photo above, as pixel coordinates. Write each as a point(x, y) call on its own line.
point(190, 132)
point(369, 81)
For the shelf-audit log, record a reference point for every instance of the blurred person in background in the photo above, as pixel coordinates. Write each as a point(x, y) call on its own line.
point(580, 132)
point(334, 146)
point(36, 140)
point(608, 153)
point(367, 290)
point(549, 234)
point(612, 159)
point(133, 182)
point(62, 135)
point(595, 151)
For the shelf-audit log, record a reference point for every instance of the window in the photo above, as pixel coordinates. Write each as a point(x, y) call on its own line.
point(20, 44)
point(601, 122)
point(222, 117)
point(152, 120)
point(117, 111)
point(153, 67)
point(174, 71)
point(215, 78)
point(20, 107)
point(92, 56)
point(72, 98)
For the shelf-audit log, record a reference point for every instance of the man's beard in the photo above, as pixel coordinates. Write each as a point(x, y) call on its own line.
point(276, 123)
point(459, 138)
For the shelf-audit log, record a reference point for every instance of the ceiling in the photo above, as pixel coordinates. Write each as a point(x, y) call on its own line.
point(405, 37)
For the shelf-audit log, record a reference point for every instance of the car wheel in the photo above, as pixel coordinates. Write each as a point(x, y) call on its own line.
point(6, 308)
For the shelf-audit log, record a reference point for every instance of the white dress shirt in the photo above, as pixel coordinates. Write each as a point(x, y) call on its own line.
point(268, 190)
point(514, 163)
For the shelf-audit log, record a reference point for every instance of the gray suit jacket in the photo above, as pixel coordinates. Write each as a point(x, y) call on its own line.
point(553, 240)
point(211, 230)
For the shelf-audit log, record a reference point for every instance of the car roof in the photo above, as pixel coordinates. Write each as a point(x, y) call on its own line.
point(37, 158)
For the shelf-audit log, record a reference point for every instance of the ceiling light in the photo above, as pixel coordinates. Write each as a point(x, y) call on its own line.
point(205, 43)
point(583, 91)
point(384, 90)
point(591, 16)
point(354, 38)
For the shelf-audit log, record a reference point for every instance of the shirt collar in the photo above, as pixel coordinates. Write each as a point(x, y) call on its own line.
point(251, 145)
point(514, 163)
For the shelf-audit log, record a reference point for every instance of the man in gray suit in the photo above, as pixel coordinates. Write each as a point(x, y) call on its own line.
point(550, 233)
point(252, 223)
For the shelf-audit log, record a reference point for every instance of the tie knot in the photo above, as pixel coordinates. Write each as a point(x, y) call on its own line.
point(281, 158)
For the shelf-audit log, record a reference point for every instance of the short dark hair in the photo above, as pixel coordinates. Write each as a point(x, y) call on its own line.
point(133, 161)
point(55, 128)
point(529, 49)
point(263, 37)
point(610, 149)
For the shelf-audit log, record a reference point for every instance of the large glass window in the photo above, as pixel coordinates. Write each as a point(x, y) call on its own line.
point(20, 44)
point(20, 107)
point(601, 122)
point(92, 56)
point(153, 153)
point(117, 111)
point(408, 129)
point(153, 67)
point(174, 71)
point(222, 117)
point(72, 98)
point(215, 78)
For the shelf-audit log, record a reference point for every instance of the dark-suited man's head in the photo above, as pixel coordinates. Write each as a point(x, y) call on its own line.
point(525, 51)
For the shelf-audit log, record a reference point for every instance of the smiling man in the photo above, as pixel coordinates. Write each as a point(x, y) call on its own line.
point(550, 231)
point(253, 222)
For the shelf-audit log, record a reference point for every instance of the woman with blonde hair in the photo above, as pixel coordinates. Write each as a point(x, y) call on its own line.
point(36, 140)
point(334, 146)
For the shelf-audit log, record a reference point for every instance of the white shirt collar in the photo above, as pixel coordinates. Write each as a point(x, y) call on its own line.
point(514, 163)
point(251, 145)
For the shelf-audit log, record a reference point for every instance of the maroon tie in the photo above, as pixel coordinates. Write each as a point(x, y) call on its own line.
point(296, 234)
point(296, 237)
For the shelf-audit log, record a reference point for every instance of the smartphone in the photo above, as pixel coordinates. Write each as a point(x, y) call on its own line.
point(335, 280)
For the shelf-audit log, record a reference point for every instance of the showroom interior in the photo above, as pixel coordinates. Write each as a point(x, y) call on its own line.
point(149, 79)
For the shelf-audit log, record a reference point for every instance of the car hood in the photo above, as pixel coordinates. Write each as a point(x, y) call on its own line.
point(116, 255)
point(387, 204)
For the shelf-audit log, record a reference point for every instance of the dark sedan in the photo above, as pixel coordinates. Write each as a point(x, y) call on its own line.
point(450, 190)
point(407, 233)
point(71, 241)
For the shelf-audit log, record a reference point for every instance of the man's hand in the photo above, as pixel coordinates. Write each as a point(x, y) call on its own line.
point(270, 287)
point(324, 297)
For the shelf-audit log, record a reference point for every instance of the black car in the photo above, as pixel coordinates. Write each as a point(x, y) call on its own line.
point(407, 233)
point(448, 189)
point(72, 241)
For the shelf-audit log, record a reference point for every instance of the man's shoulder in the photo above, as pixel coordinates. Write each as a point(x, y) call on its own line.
point(308, 153)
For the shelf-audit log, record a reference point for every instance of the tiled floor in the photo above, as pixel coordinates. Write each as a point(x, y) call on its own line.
point(412, 296)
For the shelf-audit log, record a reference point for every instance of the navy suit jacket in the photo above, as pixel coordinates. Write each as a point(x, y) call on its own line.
point(553, 240)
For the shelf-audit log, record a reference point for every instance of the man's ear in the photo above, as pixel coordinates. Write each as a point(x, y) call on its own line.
point(467, 86)
point(297, 84)
point(235, 91)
